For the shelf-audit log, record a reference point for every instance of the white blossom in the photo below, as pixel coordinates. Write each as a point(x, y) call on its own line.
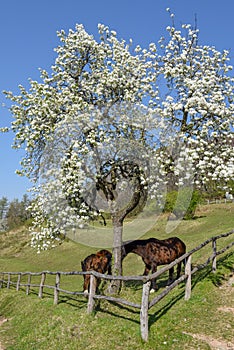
point(171, 104)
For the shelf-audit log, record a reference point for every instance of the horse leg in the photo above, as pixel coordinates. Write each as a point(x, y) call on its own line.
point(97, 284)
point(178, 270)
point(109, 271)
point(147, 270)
point(86, 284)
point(170, 279)
point(153, 282)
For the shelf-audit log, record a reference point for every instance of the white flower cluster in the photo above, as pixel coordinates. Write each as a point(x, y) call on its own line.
point(198, 102)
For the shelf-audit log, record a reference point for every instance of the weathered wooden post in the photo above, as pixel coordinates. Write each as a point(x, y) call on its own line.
point(18, 282)
point(214, 247)
point(56, 291)
point(43, 277)
point(188, 284)
point(8, 280)
point(28, 284)
point(92, 290)
point(144, 311)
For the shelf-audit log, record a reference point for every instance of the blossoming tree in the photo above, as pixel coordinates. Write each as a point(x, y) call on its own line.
point(100, 138)
point(198, 102)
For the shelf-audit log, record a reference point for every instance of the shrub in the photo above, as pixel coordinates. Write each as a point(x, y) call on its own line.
point(182, 203)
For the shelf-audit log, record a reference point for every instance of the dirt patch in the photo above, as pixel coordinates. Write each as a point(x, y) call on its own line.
point(227, 289)
point(3, 320)
point(226, 309)
point(215, 344)
point(229, 283)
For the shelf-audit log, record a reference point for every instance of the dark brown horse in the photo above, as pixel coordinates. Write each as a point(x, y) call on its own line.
point(156, 252)
point(100, 262)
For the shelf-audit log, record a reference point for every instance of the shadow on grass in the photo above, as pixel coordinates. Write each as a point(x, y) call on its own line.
point(74, 302)
point(197, 277)
point(137, 285)
point(227, 261)
point(206, 273)
point(219, 277)
point(196, 217)
point(120, 307)
point(77, 302)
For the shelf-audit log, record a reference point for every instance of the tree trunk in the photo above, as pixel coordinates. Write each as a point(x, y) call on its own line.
point(115, 285)
point(118, 211)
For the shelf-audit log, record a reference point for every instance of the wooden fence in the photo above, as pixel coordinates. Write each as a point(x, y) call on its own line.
point(218, 201)
point(146, 303)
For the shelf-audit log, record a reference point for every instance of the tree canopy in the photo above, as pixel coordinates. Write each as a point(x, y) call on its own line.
point(112, 123)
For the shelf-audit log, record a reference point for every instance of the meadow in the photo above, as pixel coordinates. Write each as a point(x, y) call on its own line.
point(203, 322)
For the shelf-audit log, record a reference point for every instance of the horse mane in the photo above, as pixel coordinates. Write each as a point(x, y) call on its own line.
point(104, 253)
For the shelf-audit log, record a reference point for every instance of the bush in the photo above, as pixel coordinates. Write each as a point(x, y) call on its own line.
point(182, 203)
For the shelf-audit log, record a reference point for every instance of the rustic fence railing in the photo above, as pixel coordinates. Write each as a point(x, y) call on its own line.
point(146, 303)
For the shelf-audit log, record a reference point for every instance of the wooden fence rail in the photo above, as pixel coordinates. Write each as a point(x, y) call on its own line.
point(146, 303)
point(218, 201)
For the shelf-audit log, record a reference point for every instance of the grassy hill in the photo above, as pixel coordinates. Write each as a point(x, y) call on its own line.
point(203, 322)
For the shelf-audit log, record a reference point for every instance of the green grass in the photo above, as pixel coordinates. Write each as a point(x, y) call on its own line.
point(35, 323)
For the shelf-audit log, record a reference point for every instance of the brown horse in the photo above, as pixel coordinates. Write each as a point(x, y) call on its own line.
point(100, 262)
point(156, 252)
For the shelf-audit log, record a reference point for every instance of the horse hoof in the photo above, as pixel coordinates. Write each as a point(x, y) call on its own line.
point(152, 291)
point(86, 293)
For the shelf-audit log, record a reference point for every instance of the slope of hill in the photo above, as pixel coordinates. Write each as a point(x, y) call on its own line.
point(203, 322)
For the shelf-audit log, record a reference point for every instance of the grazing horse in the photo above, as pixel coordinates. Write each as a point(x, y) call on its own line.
point(100, 262)
point(156, 252)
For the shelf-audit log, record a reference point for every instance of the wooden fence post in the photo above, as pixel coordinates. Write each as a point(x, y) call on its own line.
point(188, 284)
point(144, 311)
point(28, 285)
point(8, 280)
point(43, 277)
point(92, 290)
point(18, 282)
point(214, 247)
point(56, 292)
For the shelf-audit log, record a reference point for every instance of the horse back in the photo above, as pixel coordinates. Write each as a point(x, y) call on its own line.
point(99, 262)
point(177, 244)
point(164, 251)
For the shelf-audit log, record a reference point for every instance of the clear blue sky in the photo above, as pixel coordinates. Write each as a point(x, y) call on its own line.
point(28, 36)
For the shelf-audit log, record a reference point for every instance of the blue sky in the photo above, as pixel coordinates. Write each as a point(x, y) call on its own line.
point(28, 37)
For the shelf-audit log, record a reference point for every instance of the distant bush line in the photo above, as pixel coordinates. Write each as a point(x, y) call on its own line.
point(14, 213)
